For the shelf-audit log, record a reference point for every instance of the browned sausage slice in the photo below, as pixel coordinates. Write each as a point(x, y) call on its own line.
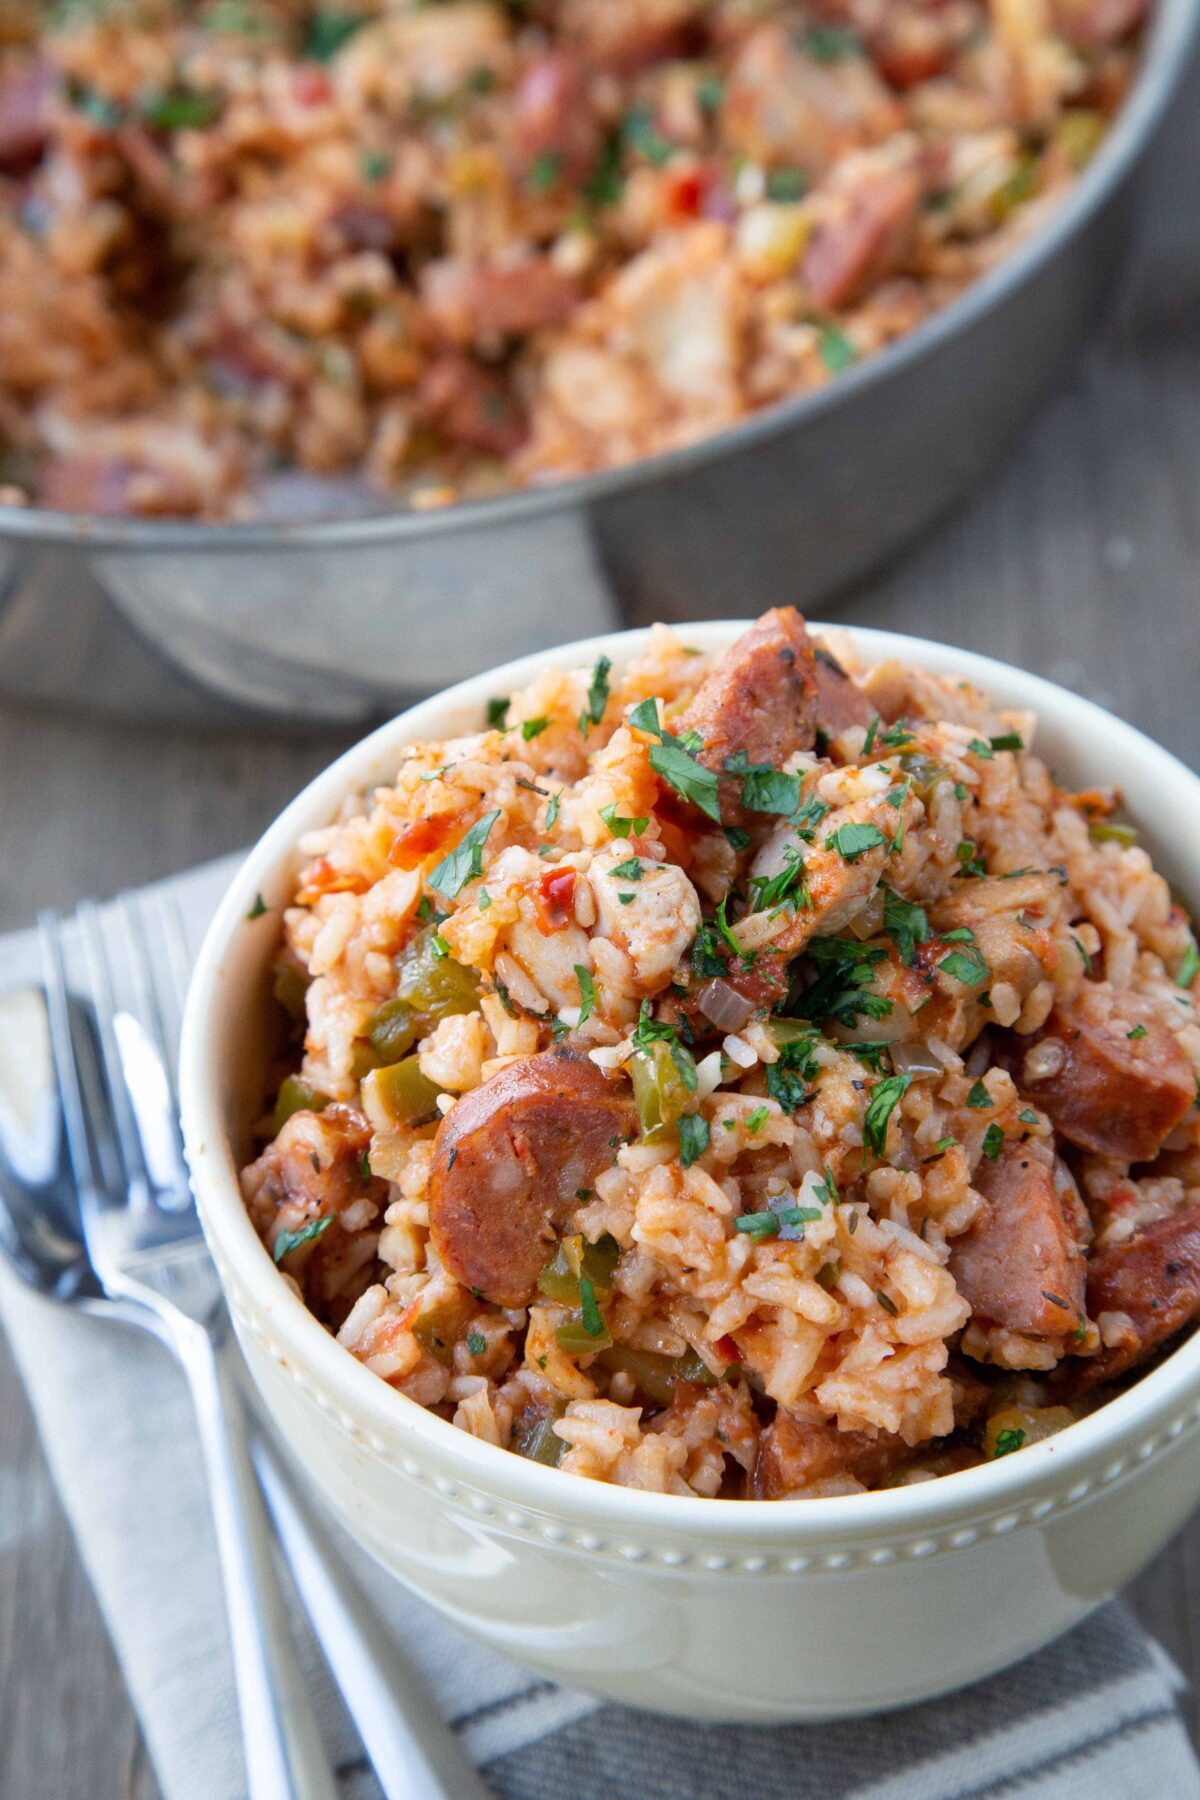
point(24, 117)
point(1020, 1265)
point(768, 696)
point(867, 240)
point(1111, 1077)
point(795, 1452)
point(509, 1160)
point(1153, 1277)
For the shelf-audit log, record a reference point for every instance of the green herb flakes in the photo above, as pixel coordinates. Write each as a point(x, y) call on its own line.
point(693, 1138)
point(497, 711)
point(854, 840)
point(587, 992)
point(476, 1343)
point(622, 827)
point(466, 861)
point(597, 698)
point(885, 1097)
point(629, 870)
point(905, 923)
point(287, 1241)
point(1010, 1439)
point(979, 1097)
point(258, 909)
point(993, 1142)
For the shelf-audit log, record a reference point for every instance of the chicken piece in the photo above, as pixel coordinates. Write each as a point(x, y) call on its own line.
point(783, 105)
point(314, 1169)
point(509, 1160)
point(655, 927)
point(1153, 1279)
point(1021, 1265)
point(1111, 1076)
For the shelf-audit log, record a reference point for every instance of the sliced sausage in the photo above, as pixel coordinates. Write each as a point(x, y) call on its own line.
point(470, 301)
point(24, 117)
point(553, 115)
point(840, 700)
point(1020, 1266)
point(1094, 24)
point(795, 1452)
point(470, 405)
point(865, 239)
point(313, 1168)
point(1154, 1278)
point(508, 1162)
point(1110, 1075)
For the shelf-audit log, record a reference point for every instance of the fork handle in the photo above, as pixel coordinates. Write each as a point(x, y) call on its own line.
point(285, 1759)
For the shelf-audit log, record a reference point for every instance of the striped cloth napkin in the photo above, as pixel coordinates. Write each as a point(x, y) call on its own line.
point(1092, 1716)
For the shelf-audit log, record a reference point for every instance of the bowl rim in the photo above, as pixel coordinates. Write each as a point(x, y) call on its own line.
point(412, 1428)
point(1164, 60)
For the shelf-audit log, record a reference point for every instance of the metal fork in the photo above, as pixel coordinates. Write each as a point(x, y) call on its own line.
point(115, 1063)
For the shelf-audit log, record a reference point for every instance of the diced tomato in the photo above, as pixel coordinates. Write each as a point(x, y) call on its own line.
point(685, 192)
point(322, 878)
point(311, 87)
point(422, 839)
point(727, 1349)
point(554, 900)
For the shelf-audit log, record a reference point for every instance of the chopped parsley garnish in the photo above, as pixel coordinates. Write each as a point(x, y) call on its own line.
point(786, 185)
point(835, 349)
point(629, 870)
point(968, 862)
point(476, 1343)
point(887, 1303)
point(287, 1241)
point(829, 43)
point(587, 992)
point(757, 1224)
point(1010, 1439)
point(650, 1031)
point(690, 779)
point(1139, 1031)
point(710, 91)
point(374, 165)
point(897, 735)
point(642, 135)
point(885, 1097)
point(757, 1119)
point(497, 711)
point(845, 969)
point(993, 1142)
point(531, 728)
point(788, 1079)
point(424, 908)
point(792, 1218)
point(544, 172)
point(1027, 1116)
point(905, 923)
point(328, 30)
point(738, 839)
point(871, 1054)
point(942, 1145)
point(979, 1097)
point(828, 1194)
point(597, 698)
point(808, 818)
point(980, 748)
point(179, 110)
point(439, 947)
point(1189, 968)
point(765, 789)
point(485, 900)
point(1084, 958)
point(966, 966)
point(1009, 740)
point(693, 1138)
point(789, 887)
point(620, 826)
point(872, 728)
point(552, 811)
point(706, 956)
point(626, 899)
point(465, 862)
point(258, 909)
point(854, 840)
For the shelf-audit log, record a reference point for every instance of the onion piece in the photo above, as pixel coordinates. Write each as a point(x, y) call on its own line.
point(915, 1059)
point(723, 1006)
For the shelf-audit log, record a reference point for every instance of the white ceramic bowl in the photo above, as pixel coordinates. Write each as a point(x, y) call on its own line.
point(711, 1609)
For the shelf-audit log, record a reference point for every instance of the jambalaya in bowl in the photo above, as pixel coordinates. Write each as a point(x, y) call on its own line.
point(744, 1076)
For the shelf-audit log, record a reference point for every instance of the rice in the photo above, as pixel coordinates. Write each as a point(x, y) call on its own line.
point(826, 1247)
point(265, 256)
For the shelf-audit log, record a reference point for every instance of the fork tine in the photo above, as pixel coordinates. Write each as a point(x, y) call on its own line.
point(136, 1182)
point(150, 1051)
point(75, 1111)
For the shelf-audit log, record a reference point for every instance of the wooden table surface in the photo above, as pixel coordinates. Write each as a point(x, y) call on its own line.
point(1079, 560)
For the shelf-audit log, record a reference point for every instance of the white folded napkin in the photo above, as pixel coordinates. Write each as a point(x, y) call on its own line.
point(1094, 1715)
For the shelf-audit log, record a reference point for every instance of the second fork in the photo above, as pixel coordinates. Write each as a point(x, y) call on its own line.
point(145, 1245)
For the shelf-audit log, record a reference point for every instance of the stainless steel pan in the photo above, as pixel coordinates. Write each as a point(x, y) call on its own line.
point(346, 618)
